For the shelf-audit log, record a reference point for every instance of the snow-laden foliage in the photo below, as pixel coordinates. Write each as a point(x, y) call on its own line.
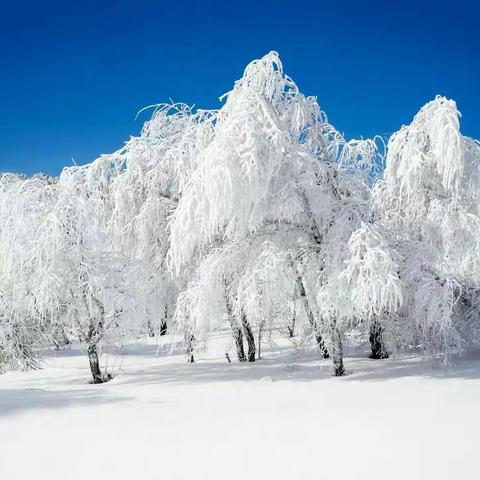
point(260, 217)
point(24, 206)
point(275, 173)
point(83, 286)
point(428, 203)
point(271, 160)
point(371, 276)
point(154, 170)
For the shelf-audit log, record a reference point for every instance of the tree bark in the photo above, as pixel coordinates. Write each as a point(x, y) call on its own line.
point(311, 319)
point(337, 353)
point(190, 345)
point(321, 345)
point(93, 337)
point(377, 343)
point(236, 328)
point(151, 331)
point(163, 325)
point(97, 375)
point(291, 327)
point(247, 330)
point(238, 337)
point(163, 328)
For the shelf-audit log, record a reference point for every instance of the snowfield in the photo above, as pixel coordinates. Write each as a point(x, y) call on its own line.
point(283, 417)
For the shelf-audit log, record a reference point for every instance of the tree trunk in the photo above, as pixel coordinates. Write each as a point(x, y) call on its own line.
point(291, 327)
point(190, 345)
point(337, 353)
point(95, 364)
point(238, 336)
point(311, 319)
point(163, 326)
point(321, 345)
point(247, 330)
point(377, 344)
point(95, 333)
point(151, 331)
point(236, 329)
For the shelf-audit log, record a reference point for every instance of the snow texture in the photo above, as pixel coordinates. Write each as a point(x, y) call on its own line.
point(282, 418)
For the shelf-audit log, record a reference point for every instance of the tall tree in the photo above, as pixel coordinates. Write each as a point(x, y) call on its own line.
point(275, 170)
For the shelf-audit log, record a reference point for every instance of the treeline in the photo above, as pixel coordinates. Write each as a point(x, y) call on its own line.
point(260, 216)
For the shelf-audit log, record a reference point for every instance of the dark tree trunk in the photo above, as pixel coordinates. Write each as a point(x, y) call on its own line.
point(236, 328)
point(291, 330)
point(311, 319)
point(95, 364)
point(94, 336)
point(163, 326)
point(377, 344)
point(291, 327)
point(238, 336)
point(337, 353)
point(247, 330)
point(190, 345)
point(321, 345)
point(151, 331)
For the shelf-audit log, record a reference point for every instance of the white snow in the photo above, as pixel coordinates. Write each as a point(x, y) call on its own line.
point(284, 417)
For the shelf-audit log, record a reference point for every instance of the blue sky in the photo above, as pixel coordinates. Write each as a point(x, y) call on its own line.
point(74, 74)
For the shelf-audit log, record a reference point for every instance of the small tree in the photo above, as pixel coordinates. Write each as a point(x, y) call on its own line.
point(93, 288)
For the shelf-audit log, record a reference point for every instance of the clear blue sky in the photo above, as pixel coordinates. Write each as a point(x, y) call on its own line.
point(74, 74)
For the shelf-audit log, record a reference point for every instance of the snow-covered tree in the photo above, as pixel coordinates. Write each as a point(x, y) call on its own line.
point(275, 170)
point(94, 290)
point(370, 285)
point(152, 172)
point(24, 326)
point(428, 204)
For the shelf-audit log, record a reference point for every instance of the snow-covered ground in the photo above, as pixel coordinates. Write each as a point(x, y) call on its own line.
point(284, 417)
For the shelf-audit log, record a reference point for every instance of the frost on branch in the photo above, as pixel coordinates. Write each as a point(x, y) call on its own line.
point(371, 276)
point(24, 205)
